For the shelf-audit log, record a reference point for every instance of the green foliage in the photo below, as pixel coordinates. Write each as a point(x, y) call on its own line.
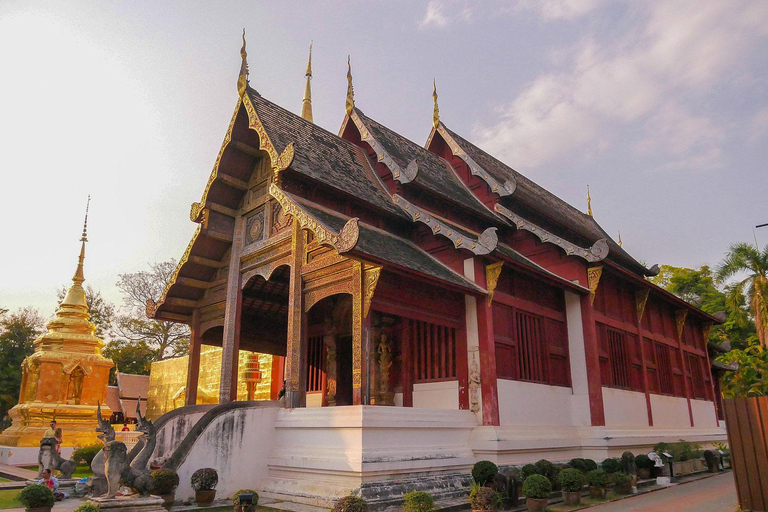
point(484, 498)
point(643, 462)
point(36, 495)
point(418, 501)
point(583, 465)
point(748, 259)
point(17, 332)
point(571, 480)
point(164, 481)
point(351, 503)
point(597, 478)
point(537, 487)
point(129, 357)
point(722, 447)
point(620, 478)
point(236, 496)
point(548, 470)
point(87, 507)
point(528, 470)
point(751, 377)
point(680, 451)
point(85, 454)
point(611, 465)
point(204, 479)
point(484, 471)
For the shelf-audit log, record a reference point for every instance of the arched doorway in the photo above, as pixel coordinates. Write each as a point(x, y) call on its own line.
point(329, 352)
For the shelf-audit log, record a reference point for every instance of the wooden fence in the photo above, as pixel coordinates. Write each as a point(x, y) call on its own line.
point(747, 422)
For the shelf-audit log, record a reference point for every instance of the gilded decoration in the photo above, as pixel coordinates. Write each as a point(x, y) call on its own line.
point(492, 273)
point(597, 252)
point(706, 328)
point(680, 316)
point(357, 327)
point(152, 306)
point(641, 299)
point(400, 175)
point(242, 79)
point(503, 189)
point(254, 123)
point(593, 279)
point(484, 244)
point(370, 278)
point(350, 106)
point(255, 227)
point(298, 243)
point(436, 111)
point(280, 220)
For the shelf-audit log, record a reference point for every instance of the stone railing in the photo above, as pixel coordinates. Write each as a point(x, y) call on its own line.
point(129, 438)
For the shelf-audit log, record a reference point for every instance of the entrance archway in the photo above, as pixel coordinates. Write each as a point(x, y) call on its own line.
point(329, 352)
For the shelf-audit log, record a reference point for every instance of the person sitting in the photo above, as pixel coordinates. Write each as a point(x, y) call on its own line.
point(52, 483)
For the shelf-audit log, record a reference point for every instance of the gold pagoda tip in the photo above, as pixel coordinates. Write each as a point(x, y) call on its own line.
point(436, 113)
point(242, 79)
point(306, 103)
point(76, 294)
point(350, 89)
point(589, 203)
point(619, 238)
point(309, 63)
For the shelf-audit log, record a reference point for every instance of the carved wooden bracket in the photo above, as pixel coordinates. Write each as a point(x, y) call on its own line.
point(593, 279)
point(370, 279)
point(641, 298)
point(492, 273)
point(680, 316)
point(706, 328)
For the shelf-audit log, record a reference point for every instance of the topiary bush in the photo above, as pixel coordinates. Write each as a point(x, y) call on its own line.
point(484, 471)
point(597, 478)
point(591, 465)
point(484, 498)
point(418, 501)
point(537, 487)
point(528, 470)
point(205, 479)
point(643, 462)
point(549, 470)
point(86, 454)
point(351, 503)
point(87, 507)
point(571, 480)
point(164, 481)
point(236, 496)
point(579, 463)
point(36, 496)
point(611, 465)
point(620, 478)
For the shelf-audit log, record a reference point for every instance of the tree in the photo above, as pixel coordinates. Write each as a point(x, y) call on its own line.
point(17, 332)
point(751, 375)
point(129, 357)
point(102, 312)
point(163, 339)
point(747, 259)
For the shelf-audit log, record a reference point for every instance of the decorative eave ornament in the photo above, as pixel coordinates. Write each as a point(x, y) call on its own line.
point(589, 203)
point(242, 79)
point(436, 112)
point(306, 104)
point(350, 89)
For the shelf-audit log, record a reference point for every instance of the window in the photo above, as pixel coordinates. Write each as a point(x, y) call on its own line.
point(664, 369)
point(434, 349)
point(315, 364)
point(530, 352)
point(619, 358)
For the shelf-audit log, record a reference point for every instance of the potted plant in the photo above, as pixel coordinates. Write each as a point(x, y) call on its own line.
point(87, 507)
point(644, 466)
point(571, 482)
point(598, 483)
point(622, 482)
point(418, 501)
point(204, 482)
point(164, 484)
point(536, 490)
point(351, 503)
point(483, 499)
point(611, 466)
point(549, 470)
point(484, 471)
point(583, 465)
point(245, 507)
point(36, 498)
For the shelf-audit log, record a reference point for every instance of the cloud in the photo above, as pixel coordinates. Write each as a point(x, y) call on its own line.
point(758, 126)
point(435, 16)
point(646, 80)
point(558, 9)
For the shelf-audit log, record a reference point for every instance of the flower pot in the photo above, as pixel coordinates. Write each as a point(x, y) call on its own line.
point(572, 497)
point(680, 468)
point(623, 488)
point(536, 504)
point(168, 500)
point(597, 492)
point(205, 497)
point(643, 473)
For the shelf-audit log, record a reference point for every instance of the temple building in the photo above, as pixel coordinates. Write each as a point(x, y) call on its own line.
point(426, 306)
point(64, 379)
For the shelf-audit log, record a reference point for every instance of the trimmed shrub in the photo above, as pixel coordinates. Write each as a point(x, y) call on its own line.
point(205, 479)
point(580, 464)
point(36, 495)
point(597, 478)
point(620, 478)
point(591, 465)
point(484, 498)
point(643, 462)
point(236, 496)
point(528, 470)
point(571, 480)
point(418, 501)
point(164, 481)
point(484, 471)
point(537, 486)
point(87, 507)
point(86, 454)
point(351, 503)
point(611, 465)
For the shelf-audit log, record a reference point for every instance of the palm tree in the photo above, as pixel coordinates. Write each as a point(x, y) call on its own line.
point(746, 258)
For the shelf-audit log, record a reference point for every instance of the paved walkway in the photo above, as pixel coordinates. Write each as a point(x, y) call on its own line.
point(16, 473)
point(714, 494)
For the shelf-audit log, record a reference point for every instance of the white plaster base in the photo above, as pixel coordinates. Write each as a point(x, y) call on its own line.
point(26, 455)
point(132, 504)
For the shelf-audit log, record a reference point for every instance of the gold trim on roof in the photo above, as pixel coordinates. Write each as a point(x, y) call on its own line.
point(589, 203)
point(306, 103)
point(242, 78)
point(400, 175)
point(436, 111)
point(350, 90)
point(152, 306)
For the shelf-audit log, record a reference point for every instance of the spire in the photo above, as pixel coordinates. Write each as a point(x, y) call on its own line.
point(436, 113)
point(589, 203)
point(350, 90)
point(619, 238)
point(76, 294)
point(242, 79)
point(306, 104)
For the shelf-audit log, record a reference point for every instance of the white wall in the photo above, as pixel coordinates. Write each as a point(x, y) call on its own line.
point(670, 411)
point(625, 408)
point(436, 395)
point(580, 408)
point(473, 343)
point(173, 432)
point(704, 413)
point(526, 403)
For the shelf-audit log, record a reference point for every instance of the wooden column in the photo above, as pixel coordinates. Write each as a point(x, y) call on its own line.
point(407, 362)
point(487, 353)
point(594, 381)
point(462, 366)
point(295, 394)
point(680, 316)
point(231, 339)
point(360, 336)
point(641, 298)
point(193, 369)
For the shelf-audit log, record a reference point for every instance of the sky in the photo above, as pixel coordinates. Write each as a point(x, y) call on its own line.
point(660, 106)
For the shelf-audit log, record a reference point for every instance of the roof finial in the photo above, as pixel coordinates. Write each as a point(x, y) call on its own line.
point(242, 79)
point(79, 277)
point(619, 238)
point(350, 90)
point(589, 203)
point(306, 103)
point(436, 113)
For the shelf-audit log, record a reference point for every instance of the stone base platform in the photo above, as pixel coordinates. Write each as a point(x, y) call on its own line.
point(136, 504)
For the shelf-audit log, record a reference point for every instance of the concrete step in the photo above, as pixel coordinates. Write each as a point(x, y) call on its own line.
point(16, 473)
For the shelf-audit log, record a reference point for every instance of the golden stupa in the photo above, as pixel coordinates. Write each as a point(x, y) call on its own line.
point(66, 377)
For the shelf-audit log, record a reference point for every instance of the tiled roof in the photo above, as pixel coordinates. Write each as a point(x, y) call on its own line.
point(132, 386)
point(113, 399)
